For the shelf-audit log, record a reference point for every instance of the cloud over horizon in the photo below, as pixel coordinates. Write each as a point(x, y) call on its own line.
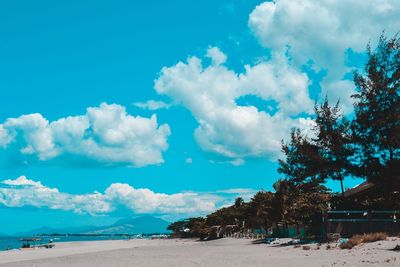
point(22, 192)
point(106, 135)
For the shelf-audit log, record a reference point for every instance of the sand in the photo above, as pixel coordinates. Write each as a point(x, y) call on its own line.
point(224, 252)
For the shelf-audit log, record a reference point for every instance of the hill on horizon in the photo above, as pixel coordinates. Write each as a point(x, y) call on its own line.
point(137, 225)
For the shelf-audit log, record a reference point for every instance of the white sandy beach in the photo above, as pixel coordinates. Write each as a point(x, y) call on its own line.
point(223, 252)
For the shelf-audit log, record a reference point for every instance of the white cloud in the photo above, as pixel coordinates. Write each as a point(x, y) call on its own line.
point(234, 162)
point(5, 137)
point(225, 128)
point(21, 181)
point(106, 134)
point(244, 193)
point(147, 201)
point(340, 90)
point(22, 192)
point(237, 162)
point(152, 105)
point(322, 31)
point(189, 160)
point(216, 55)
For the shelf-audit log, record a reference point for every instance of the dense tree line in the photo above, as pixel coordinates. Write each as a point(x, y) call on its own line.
point(366, 144)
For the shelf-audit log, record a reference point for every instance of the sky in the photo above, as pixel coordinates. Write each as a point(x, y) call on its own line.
point(113, 109)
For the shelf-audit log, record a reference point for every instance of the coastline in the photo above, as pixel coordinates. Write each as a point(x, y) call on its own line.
point(14, 242)
point(186, 252)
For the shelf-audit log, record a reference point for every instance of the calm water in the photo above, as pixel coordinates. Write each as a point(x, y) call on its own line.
point(11, 242)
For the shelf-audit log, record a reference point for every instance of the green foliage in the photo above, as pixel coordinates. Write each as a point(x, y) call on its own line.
point(232, 215)
point(326, 155)
point(299, 203)
point(306, 202)
point(239, 202)
point(302, 161)
point(376, 126)
point(191, 227)
point(334, 142)
point(260, 211)
point(178, 226)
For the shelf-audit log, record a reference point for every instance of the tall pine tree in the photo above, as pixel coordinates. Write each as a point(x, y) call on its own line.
point(376, 126)
point(333, 139)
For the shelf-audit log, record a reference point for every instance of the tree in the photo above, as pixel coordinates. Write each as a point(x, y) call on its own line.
point(191, 227)
point(261, 210)
point(302, 162)
point(178, 227)
point(297, 204)
point(232, 215)
point(333, 139)
point(197, 227)
point(239, 202)
point(282, 200)
point(376, 126)
point(307, 202)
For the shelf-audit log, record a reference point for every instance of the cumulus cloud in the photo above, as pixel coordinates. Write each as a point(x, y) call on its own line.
point(22, 192)
point(152, 105)
point(147, 201)
point(22, 181)
point(323, 32)
point(106, 134)
point(226, 128)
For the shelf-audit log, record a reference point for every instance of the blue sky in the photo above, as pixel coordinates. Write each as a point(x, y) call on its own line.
point(76, 126)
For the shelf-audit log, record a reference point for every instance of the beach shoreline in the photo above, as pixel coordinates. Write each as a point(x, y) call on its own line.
point(186, 252)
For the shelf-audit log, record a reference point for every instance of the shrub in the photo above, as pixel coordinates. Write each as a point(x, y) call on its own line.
point(364, 238)
point(373, 237)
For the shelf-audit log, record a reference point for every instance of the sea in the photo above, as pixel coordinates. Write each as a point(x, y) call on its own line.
point(13, 242)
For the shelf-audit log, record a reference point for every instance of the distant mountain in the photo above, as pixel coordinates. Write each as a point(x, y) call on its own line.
point(137, 225)
point(50, 230)
point(3, 234)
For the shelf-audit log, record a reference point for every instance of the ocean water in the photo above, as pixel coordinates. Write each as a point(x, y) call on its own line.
point(13, 242)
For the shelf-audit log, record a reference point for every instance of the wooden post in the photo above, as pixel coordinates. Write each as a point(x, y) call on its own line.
point(369, 216)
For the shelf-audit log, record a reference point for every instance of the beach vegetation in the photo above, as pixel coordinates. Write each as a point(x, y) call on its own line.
point(364, 238)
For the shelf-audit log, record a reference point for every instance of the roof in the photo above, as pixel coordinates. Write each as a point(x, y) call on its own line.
point(359, 189)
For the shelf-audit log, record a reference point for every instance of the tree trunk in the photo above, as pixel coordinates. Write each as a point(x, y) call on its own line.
point(341, 185)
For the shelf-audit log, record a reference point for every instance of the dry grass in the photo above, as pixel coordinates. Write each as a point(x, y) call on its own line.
point(364, 238)
point(373, 237)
